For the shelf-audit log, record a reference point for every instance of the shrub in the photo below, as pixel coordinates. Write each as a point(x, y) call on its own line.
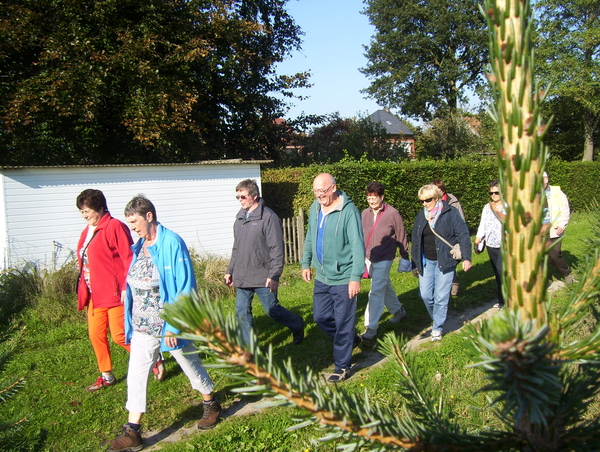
point(286, 190)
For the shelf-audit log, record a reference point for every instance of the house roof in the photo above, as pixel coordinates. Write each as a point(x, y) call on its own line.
point(204, 162)
point(390, 122)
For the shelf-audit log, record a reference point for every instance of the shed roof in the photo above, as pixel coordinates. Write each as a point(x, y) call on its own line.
point(390, 122)
point(204, 162)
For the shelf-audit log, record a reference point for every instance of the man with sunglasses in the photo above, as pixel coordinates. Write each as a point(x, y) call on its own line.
point(257, 262)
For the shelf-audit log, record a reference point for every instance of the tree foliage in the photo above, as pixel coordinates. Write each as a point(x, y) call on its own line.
point(459, 135)
point(425, 54)
point(334, 138)
point(569, 59)
point(136, 81)
point(566, 132)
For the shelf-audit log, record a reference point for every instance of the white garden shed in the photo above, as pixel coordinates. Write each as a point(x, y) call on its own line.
point(40, 223)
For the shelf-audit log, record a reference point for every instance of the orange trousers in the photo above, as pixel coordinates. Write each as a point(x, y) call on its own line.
point(99, 322)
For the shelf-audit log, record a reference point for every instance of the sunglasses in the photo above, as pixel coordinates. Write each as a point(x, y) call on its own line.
point(425, 201)
point(492, 193)
point(242, 197)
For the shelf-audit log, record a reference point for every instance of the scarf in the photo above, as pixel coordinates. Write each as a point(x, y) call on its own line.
point(433, 215)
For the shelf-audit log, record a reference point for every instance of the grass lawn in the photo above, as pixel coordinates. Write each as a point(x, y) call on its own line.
point(48, 345)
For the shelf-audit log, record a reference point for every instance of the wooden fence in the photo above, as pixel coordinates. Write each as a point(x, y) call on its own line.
point(293, 237)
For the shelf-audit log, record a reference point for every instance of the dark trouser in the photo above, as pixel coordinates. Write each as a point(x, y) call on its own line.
point(335, 314)
point(270, 303)
point(555, 257)
point(496, 262)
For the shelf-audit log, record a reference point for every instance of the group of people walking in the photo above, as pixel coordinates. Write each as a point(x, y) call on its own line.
point(125, 286)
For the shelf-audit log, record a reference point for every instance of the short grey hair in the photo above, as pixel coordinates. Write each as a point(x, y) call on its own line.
point(250, 186)
point(140, 205)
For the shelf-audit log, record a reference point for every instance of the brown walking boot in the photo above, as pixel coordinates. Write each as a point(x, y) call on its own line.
point(130, 440)
point(211, 414)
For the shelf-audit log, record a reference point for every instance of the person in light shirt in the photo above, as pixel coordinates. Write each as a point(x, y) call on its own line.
point(557, 219)
point(490, 233)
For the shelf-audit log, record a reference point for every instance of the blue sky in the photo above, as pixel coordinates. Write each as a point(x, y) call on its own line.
point(335, 32)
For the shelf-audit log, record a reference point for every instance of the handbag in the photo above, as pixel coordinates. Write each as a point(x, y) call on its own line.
point(480, 248)
point(366, 275)
point(455, 251)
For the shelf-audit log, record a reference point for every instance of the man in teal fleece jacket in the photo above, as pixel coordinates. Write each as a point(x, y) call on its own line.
point(335, 247)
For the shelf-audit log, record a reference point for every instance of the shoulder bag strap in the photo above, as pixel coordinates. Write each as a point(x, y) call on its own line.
point(375, 225)
point(440, 237)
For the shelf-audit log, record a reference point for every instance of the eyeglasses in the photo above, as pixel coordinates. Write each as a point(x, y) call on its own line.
point(425, 201)
point(242, 197)
point(322, 191)
point(492, 193)
point(373, 198)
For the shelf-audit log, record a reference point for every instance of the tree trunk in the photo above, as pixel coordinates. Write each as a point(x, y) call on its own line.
point(588, 134)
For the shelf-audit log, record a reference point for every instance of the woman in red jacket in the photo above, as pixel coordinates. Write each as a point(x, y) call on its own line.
point(104, 255)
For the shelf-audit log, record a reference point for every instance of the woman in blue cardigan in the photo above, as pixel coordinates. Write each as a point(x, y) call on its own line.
point(160, 272)
point(432, 262)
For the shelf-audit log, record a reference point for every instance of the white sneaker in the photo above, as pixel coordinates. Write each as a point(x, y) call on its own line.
point(399, 315)
point(369, 334)
point(436, 336)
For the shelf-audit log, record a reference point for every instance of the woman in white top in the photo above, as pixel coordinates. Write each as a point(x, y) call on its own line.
point(490, 231)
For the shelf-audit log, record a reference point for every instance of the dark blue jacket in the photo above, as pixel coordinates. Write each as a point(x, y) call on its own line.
point(449, 225)
point(258, 248)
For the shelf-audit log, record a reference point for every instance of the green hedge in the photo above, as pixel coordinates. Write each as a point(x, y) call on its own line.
point(288, 189)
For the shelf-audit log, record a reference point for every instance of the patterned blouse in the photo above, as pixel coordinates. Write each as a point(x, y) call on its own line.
point(490, 228)
point(84, 257)
point(147, 305)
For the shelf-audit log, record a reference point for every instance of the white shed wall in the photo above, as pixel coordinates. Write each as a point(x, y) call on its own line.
point(196, 201)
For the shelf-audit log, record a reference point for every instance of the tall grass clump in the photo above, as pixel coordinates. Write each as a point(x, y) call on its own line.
point(11, 430)
point(209, 270)
point(19, 288)
point(48, 295)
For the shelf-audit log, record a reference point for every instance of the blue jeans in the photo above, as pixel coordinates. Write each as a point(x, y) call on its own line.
point(434, 287)
point(382, 294)
point(335, 314)
point(270, 303)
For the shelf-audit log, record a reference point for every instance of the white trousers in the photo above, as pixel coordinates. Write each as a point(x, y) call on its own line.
point(145, 350)
point(382, 294)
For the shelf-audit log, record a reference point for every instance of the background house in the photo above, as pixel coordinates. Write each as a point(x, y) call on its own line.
point(399, 133)
point(40, 223)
